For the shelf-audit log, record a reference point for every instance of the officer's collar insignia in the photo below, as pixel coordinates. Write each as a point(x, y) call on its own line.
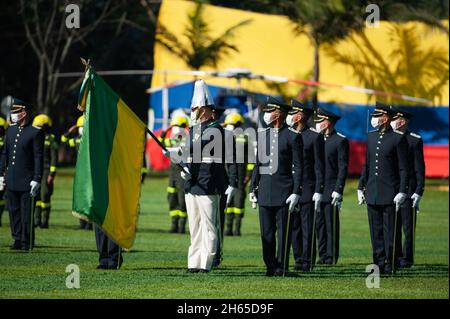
point(293, 130)
point(38, 127)
point(398, 132)
point(415, 135)
point(341, 135)
point(212, 124)
point(313, 129)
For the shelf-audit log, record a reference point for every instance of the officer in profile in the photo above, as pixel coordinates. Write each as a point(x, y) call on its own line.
point(336, 164)
point(408, 212)
point(21, 168)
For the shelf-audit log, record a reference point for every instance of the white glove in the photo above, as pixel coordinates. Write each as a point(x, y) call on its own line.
point(361, 197)
point(170, 150)
point(2, 183)
point(230, 193)
point(34, 188)
point(292, 200)
point(416, 200)
point(399, 199)
point(336, 198)
point(317, 198)
point(252, 198)
point(185, 174)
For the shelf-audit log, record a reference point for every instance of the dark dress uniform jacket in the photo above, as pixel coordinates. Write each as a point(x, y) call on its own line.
point(209, 177)
point(336, 164)
point(416, 164)
point(22, 157)
point(313, 164)
point(273, 189)
point(385, 172)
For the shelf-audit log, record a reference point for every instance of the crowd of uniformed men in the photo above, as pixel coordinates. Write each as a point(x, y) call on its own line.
point(298, 185)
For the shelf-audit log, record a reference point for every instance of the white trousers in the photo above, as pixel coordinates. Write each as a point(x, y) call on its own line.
point(203, 212)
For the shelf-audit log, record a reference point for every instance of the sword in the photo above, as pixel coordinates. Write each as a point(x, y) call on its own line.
point(31, 224)
point(286, 241)
point(313, 241)
point(334, 232)
point(415, 210)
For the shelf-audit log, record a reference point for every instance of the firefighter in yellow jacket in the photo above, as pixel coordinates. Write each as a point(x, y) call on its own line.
point(3, 127)
point(236, 208)
point(173, 137)
point(43, 200)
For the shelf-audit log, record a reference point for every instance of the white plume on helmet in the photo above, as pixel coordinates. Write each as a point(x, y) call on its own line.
point(202, 96)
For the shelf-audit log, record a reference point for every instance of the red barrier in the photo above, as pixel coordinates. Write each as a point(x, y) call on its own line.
point(436, 158)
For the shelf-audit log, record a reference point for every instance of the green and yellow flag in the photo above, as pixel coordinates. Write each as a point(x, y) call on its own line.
point(107, 180)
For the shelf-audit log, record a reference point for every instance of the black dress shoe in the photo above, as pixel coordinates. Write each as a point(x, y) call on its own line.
point(44, 225)
point(280, 273)
point(204, 271)
point(306, 267)
point(101, 266)
point(16, 246)
point(270, 273)
point(388, 269)
point(297, 267)
point(193, 270)
point(404, 264)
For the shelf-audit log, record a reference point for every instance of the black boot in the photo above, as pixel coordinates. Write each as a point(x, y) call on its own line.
point(237, 225)
point(174, 228)
point(45, 217)
point(229, 223)
point(2, 208)
point(182, 225)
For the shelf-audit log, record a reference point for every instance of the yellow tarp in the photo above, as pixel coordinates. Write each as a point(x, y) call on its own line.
point(269, 46)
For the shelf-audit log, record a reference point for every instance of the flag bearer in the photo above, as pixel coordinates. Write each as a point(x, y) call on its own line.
point(43, 204)
point(21, 168)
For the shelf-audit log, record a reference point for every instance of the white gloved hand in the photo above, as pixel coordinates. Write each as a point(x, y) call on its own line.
point(185, 174)
point(416, 200)
point(361, 197)
point(335, 198)
point(399, 199)
point(34, 188)
point(292, 200)
point(230, 193)
point(2, 183)
point(169, 151)
point(252, 198)
point(317, 198)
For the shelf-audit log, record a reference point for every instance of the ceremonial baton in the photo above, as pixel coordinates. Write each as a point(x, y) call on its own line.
point(286, 241)
point(397, 208)
point(334, 232)
point(313, 237)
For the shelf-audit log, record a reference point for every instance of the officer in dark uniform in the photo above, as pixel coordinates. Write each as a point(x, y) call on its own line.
point(175, 137)
point(384, 186)
point(110, 254)
point(43, 204)
point(73, 138)
point(408, 211)
point(21, 169)
point(336, 164)
point(276, 185)
point(303, 229)
point(3, 127)
point(236, 209)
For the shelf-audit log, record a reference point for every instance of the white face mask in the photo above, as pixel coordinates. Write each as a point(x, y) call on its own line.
point(268, 118)
point(229, 127)
point(15, 117)
point(194, 117)
point(374, 121)
point(289, 120)
point(320, 128)
point(80, 130)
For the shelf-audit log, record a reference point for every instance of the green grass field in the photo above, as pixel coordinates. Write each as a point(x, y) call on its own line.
point(155, 268)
